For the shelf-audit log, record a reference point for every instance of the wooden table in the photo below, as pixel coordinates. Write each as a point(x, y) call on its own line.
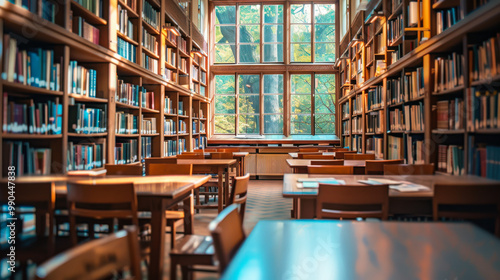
point(326, 249)
point(300, 165)
point(296, 155)
point(212, 166)
point(410, 203)
point(240, 157)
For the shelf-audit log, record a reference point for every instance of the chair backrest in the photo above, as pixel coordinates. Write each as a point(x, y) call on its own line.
point(42, 196)
point(409, 169)
point(376, 167)
point(341, 154)
point(321, 156)
point(228, 235)
point(191, 156)
point(239, 193)
point(97, 259)
point(100, 201)
point(228, 150)
point(152, 160)
point(311, 149)
point(328, 162)
point(352, 201)
point(359, 156)
point(330, 169)
point(170, 169)
point(338, 150)
point(467, 201)
point(210, 150)
point(123, 169)
point(218, 155)
point(300, 155)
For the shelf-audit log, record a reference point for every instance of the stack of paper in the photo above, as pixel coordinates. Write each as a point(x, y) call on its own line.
point(402, 186)
point(314, 182)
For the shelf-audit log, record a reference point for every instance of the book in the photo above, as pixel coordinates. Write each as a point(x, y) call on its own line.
point(125, 123)
point(86, 156)
point(127, 93)
point(81, 81)
point(150, 14)
point(28, 160)
point(125, 151)
point(146, 147)
point(87, 118)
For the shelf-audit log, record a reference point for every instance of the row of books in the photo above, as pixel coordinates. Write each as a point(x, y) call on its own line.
point(485, 58)
point(195, 72)
point(194, 127)
point(132, 4)
point(182, 146)
point(81, 81)
point(414, 117)
point(85, 30)
point(485, 161)
point(85, 120)
point(126, 151)
point(415, 151)
point(146, 147)
point(396, 120)
point(357, 125)
point(181, 108)
point(171, 56)
point(148, 125)
point(451, 159)
point(125, 123)
point(202, 127)
point(199, 143)
point(345, 110)
point(395, 54)
point(169, 127)
point(26, 116)
point(149, 41)
point(395, 148)
point(31, 66)
point(127, 50)
point(203, 77)
point(356, 143)
point(182, 127)
point(169, 106)
point(375, 144)
point(413, 84)
point(128, 93)
point(374, 98)
point(94, 6)
point(29, 5)
point(149, 63)
point(395, 29)
point(125, 25)
point(170, 148)
point(346, 127)
point(450, 114)
point(183, 44)
point(379, 45)
point(375, 122)
point(394, 91)
point(203, 90)
point(183, 64)
point(86, 156)
point(448, 72)
point(447, 18)
point(170, 75)
point(171, 37)
point(148, 99)
point(150, 15)
point(28, 160)
point(356, 105)
point(483, 107)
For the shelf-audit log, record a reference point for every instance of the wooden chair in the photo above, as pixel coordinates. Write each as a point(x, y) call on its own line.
point(340, 155)
point(409, 169)
point(123, 169)
point(352, 201)
point(318, 156)
point(239, 193)
point(153, 160)
point(376, 167)
point(478, 202)
point(191, 156)
point(311, 149)
point(300, 155)
point(338, 150)
point(330, 169)
point(98, 259)
point(158, 169)
point(35, 245)
point(328, 162)
point(228, 235)
point(359, 156)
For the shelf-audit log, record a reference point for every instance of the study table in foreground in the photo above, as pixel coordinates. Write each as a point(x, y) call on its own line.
point(300, 165)
point(411, 203)
point(327, 249)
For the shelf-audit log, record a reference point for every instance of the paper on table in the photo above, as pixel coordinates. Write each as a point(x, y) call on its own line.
point(409, 187)
point(306, 184)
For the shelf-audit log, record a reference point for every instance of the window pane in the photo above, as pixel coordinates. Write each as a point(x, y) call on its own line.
point(324, 124)
point(225, 15)
point(273, 104)
point(300, 13)
point(249, 53)
point(248, 84)
point(225, 34)
point(324, 103)
point(273, 13)
point(225, 124)
point(224, 54)
point(273, 52)
point(225, 104)
point(301, 33)
point(273, 124)
point(324, 52)
point(301, 83)
point(225, 84)
point(325, 83)
point(273, 33)
point(249, 14)
point(249, 104)
point(300, 52)
point(273, 83)
point(301, 104)
point(324, 13)
point(324, 33)
point(248, 124)
point(300, 124)
point(250, 34)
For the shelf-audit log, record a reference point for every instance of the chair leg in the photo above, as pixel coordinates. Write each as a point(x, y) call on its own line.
point(187, 274)
point(173, 269)
point(173, 229)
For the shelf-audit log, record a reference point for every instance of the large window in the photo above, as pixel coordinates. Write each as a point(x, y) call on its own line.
point(248, 104)
point(324, 103)
point(273, 104)
point(225, 104)
point(225, 34)
point(273, 33)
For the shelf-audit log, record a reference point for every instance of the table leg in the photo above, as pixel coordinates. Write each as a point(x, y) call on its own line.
point(242, 167)
point(226, 187)
point(220, 188)
point(188, 214)
point(238, 167)
point(157, 255)
point(297, 210)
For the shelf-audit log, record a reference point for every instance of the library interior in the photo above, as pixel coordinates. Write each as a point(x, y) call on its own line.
point(242, 139)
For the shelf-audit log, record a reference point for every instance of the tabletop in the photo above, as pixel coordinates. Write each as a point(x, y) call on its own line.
point(226, 162)
point(293, 163)
point(296, 155)
point(290, 188)
point(326, 249)
point(235, 154)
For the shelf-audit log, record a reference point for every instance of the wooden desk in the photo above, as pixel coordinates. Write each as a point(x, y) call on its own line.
point(154, 193)
point(211, 166)
point(240, 157)
point(411, 203)
point(326, 249)
point(300, 165)
point(296, 155)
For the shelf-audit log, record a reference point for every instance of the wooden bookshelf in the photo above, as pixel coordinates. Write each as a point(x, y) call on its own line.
point(444, 107)
point(103, 56)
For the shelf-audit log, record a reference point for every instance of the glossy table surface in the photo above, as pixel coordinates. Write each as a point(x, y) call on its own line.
point(305, 162)
point(327, 249)
point(296, 155)
point(226, 162)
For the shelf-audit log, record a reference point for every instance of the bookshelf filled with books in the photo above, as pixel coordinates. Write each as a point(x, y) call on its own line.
point(438, 84)
point(81, 91)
